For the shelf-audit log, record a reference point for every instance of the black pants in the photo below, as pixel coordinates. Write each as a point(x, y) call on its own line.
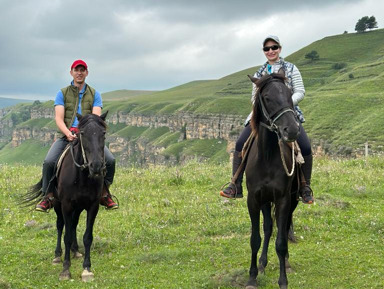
point(54, 153)
point(303, 140)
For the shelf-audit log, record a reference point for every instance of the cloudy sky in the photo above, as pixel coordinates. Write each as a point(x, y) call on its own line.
point(155, 44)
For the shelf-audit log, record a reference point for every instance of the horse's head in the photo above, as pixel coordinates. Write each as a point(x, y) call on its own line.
point(92, 140)
point(273, 107)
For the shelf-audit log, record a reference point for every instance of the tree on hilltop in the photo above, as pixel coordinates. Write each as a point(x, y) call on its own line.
point(365, 23)
point(313, 55)
point(371, 23)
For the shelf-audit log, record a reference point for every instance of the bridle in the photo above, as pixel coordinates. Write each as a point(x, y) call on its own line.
point(274, 128)
point(272, 120)
point(85, 164)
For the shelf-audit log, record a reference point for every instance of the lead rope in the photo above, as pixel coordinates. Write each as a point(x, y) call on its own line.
point(85, 164)
point(83, 152)
point(289, 174)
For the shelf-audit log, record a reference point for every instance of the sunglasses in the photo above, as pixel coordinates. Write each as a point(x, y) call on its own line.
point(273, 47)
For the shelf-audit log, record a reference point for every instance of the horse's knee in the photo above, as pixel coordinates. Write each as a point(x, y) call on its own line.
point(281, 247)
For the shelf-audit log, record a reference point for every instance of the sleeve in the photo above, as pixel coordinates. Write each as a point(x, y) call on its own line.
point(297, 86)
point(258, 74)
point(59, 99)
point(98, 100)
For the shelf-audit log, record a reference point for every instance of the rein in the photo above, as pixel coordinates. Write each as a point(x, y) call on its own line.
point(85, 164)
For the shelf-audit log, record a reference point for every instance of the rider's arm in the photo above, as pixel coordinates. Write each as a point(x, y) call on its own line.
point(97, 104)
point(96, 110)
point(59, 118)
point(297, 86)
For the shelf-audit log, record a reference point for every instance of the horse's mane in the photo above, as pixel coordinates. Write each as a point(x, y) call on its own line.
point(256, 117)
point(91, 117)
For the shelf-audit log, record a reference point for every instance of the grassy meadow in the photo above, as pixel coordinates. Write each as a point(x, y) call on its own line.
point(173, 230)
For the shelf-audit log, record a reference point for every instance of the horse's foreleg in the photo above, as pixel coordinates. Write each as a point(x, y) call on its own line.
point(290, 230)
point(59, 227)
point(267, 227)
point(87, 275)
point(65, 274)
point(254, 214)
point(75, 245)
point(282, 211)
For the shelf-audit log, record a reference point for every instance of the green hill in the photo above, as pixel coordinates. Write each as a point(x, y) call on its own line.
point(342, 107)
point(123, 94)
point(344, 91)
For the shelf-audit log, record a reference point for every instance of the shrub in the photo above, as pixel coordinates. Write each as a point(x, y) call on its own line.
point(313, 55)
point(339, 65)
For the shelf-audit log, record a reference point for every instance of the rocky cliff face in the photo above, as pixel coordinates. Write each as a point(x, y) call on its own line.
point(207, 126)
point(45, 112)
point(140, 152)
point(19, 135)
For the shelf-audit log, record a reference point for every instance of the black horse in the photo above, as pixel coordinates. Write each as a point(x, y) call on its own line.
point(271, 169)
point(78, 186)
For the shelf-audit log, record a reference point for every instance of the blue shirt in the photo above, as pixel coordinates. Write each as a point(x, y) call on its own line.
point(59, 100)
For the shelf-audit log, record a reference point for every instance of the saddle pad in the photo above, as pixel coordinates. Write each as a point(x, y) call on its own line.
point(60, 160)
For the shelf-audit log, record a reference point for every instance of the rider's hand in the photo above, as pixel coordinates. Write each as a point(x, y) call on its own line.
point(71, 136)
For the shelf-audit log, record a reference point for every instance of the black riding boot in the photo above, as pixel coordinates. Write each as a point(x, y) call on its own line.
point(235, 190)
point(306, 191)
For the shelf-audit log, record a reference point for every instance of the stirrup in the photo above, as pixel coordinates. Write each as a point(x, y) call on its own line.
point(236, 195)
point(114, 199)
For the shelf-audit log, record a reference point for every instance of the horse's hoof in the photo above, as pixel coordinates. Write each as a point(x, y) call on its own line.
point(289, 270)
point(288, 267)
point(283, 287)
point(56, 261)
point(65, 275)
point(252, 284)
point(77, 255)
point(87, 276)
point(261, 269)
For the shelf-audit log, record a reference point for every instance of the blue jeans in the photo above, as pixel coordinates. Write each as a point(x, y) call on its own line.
point(303, 140)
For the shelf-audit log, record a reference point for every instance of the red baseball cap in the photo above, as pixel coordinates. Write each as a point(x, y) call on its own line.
point(78, 62)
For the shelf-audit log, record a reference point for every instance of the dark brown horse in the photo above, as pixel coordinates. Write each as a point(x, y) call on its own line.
point(271, 170)
point(78, 186)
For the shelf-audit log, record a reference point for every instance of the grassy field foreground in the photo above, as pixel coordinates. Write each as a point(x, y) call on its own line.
point(174, 231)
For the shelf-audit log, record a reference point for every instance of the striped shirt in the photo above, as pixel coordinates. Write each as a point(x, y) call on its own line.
point(294, 82)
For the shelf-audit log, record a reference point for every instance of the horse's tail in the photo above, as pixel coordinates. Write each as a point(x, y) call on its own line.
point(34, 195)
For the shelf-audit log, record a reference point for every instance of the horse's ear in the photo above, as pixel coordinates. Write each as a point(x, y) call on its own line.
point(104, 115)
point(281, 71)
point(253, 79)
point(79, 116)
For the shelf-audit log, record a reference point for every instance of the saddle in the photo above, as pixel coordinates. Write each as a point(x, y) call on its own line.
point(298, 158)
point(61, 158)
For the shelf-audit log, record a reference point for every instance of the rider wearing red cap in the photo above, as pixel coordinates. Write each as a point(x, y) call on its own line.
point(80, 98)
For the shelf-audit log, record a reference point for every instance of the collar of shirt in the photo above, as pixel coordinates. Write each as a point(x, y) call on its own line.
point(81, 92)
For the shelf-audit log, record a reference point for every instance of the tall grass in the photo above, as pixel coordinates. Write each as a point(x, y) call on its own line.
point(174, 231)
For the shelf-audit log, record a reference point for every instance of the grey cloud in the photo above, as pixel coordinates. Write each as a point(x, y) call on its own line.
point(126, 41)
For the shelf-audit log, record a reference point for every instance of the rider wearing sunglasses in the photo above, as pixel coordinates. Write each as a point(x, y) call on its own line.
point(272, 49)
